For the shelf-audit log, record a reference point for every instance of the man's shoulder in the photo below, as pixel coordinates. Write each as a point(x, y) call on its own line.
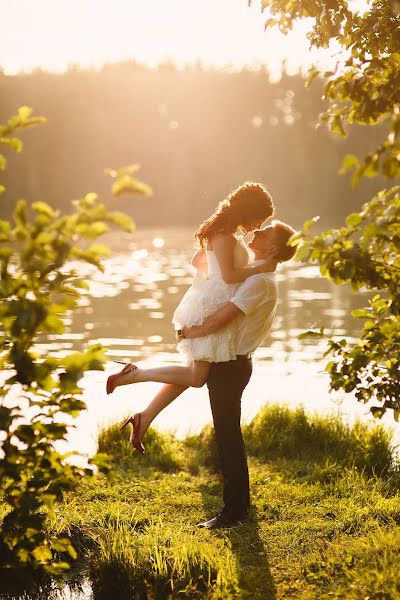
point(259, 280)
point(255, 291)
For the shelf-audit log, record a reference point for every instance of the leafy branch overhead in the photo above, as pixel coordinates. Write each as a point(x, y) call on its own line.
point(364, 87)
point(365, 254)
point(38, 286)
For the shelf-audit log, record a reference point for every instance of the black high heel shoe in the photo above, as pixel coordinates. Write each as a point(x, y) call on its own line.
point(135, 422)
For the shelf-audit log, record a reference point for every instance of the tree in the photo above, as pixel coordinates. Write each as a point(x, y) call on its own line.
point(38, 286)
point(363, 89)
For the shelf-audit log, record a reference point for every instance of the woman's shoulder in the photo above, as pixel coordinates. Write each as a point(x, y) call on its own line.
point(222, 239)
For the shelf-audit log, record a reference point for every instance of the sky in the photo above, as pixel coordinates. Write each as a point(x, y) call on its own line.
point(53, 34)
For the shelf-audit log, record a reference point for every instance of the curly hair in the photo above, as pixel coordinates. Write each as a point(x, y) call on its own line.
point(246, 207)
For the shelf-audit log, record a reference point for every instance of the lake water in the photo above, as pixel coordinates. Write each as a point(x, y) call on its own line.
point(129, 309)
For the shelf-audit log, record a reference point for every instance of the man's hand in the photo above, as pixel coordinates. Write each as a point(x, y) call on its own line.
point(178, 336)
point(186, 333)
point(213, 323)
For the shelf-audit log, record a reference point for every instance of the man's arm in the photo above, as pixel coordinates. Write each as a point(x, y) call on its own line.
point(214, 322)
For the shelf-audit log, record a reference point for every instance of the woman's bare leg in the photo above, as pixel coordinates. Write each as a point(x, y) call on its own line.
point(168, 393)
point(194, 375)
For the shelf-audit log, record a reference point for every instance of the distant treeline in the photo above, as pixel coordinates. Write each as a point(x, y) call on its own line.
point(196, 133)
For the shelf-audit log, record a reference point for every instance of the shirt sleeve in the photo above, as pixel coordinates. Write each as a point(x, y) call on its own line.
point(252, 293)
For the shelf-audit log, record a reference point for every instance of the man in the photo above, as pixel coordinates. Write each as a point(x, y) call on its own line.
point(251, 309)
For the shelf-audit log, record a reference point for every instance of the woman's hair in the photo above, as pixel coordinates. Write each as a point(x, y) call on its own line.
point(247, 206)
point(282, 233)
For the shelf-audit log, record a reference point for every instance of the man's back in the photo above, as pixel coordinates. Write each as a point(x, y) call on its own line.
point(257, 299)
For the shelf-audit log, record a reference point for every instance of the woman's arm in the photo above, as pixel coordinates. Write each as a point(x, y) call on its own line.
point(223, 247)
point(199, 261)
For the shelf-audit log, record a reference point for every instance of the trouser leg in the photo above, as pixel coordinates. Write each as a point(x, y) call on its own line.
point(226, 383)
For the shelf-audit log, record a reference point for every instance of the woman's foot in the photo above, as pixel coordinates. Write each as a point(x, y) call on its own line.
point(135, 440)
point(112, 381)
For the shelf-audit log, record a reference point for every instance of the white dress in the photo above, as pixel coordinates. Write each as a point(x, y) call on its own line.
point(207, 294)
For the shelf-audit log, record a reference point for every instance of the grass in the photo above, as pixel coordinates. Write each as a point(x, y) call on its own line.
point(325, 519)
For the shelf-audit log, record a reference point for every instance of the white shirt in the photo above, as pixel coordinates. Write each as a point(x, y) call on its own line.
point(257, 297)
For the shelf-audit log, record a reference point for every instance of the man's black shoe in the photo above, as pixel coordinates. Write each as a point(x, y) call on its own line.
point(221, 521)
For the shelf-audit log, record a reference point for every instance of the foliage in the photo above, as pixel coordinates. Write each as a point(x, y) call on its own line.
point(365, 253)
point(280, 432)
point(40, 395)
point(364, 89)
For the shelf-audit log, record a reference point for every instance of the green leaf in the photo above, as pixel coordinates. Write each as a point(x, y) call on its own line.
point(91, 198)
point(361, 313)
point(311, 75)
point(57, 569)
point(336, 126)
point(309, 223)
point(126, 184)
point(14, 143)
point(350, 161)
point(303, 252)
point(377, 411)
point(295, 239)
point(72, 552)
point(23, 555)
point(122, 220)
point(353, 219)
point(396, 57)
point(42, 554)
point(391, 167)
point(3, 162)
point(92, 230)
point(127, 170)
point(310, 334)
point(44, 209)
point(53, 324)
point(24, 112)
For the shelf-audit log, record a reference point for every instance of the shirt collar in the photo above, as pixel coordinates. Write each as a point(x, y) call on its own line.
point(255, 263)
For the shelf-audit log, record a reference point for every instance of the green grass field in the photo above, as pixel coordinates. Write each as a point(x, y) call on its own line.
point(325, 518)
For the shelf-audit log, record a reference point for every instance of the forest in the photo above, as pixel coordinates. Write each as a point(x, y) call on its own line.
point(196, 133)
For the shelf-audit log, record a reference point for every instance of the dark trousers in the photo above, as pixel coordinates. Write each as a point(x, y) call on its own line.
point(226, 383)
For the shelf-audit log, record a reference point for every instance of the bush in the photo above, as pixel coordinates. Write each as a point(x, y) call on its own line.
point(280, 432)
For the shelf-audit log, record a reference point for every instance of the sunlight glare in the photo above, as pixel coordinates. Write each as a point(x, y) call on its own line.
point(55, 35)
point(158, 242)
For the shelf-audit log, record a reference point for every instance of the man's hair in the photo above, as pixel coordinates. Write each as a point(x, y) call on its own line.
point(283, 232)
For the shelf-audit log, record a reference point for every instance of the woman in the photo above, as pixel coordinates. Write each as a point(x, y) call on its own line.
point(244, 210)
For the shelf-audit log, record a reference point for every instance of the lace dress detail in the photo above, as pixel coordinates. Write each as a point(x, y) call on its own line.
point(207, 294)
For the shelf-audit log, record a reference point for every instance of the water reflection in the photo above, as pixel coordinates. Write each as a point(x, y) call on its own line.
point(129, 310)
point(131, 303)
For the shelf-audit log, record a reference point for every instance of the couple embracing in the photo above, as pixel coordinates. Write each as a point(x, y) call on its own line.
point(221, 320)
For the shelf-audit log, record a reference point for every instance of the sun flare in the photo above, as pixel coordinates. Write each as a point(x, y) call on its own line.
point(53, 35)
